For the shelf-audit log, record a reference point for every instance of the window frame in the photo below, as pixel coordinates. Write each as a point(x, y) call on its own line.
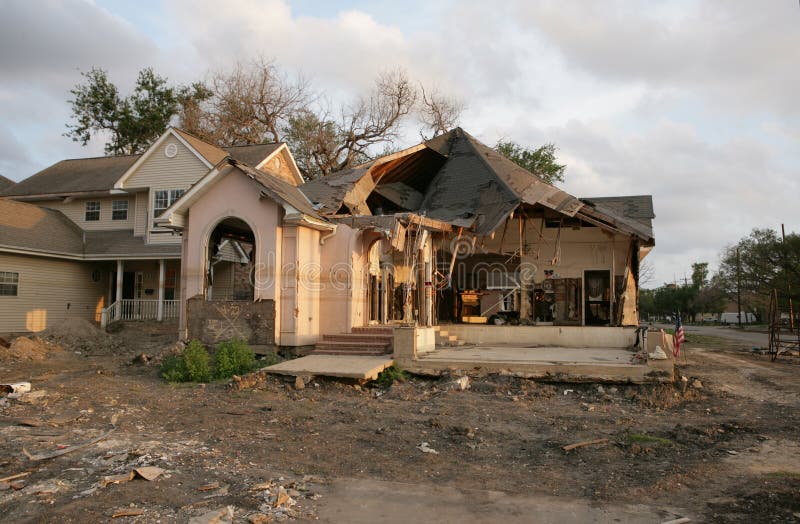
point(12, 283)
point(167, 196)
point(114, 210)
point(86, 210)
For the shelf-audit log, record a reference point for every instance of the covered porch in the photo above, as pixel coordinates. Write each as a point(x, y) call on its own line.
point(142, 290)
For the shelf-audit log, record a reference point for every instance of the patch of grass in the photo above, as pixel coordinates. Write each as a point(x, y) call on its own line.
point(389, 376)
point(794, 475)
point(234, 357)
point(639, 438)
point(707, 340)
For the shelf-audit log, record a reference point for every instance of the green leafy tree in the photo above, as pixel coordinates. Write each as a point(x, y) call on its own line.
point(699, 274)
point(129, 124)
point(762, 261)
point(541, 161)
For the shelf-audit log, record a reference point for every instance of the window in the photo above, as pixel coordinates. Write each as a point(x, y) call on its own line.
point(9, 284)
point(164, 198)
point(92, 211)
point(119, 210)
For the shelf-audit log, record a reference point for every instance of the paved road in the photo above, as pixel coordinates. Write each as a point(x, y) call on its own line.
point(731, 333)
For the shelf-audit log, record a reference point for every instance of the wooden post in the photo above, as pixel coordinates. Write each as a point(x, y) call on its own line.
point(161, 282)
point(120, 269)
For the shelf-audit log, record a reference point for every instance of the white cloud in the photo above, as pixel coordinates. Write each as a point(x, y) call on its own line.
point(693, 102)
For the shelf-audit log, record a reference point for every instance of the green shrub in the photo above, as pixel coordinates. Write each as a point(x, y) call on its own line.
point(390, 375)
point(234, 358)
point(197, 362)
point(173, 369)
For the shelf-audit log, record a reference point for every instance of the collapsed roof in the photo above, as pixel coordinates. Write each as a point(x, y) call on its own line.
point(456, 179)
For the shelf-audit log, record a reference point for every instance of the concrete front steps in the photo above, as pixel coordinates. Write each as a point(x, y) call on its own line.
point(363, 341)
point(445, 339)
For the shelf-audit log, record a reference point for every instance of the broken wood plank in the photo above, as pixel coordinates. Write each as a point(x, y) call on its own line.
point(69, 449)
point(127, 513)
point(584, 443)
point(17, 476)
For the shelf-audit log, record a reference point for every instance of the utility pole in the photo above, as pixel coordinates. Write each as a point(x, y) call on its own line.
point(738, 288)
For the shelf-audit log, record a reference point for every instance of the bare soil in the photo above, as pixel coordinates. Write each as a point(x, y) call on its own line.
point(726, 450)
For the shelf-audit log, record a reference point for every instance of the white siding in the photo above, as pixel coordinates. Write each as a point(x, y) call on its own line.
point(159, 171)
point(140, 214)
point(162, 172)
point(50, 290)
point(75, 210)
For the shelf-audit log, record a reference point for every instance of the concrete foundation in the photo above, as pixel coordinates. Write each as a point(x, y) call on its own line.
point(520, 357)
point(556, 336)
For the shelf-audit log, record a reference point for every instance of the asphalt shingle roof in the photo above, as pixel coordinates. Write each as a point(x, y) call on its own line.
point(30, 227)
point(86, 175)
point(79, 175)
point(5, 183)
point(123, 243)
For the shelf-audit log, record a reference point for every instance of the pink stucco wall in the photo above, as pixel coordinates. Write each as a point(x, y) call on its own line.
point(234, 196)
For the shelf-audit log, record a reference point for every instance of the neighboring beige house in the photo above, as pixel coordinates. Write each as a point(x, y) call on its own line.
point(112, 261)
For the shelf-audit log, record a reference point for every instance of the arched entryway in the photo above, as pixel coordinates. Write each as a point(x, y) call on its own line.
point(230, 261)
point(381, 287)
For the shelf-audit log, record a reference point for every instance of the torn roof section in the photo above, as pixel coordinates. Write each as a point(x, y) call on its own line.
point(454, 178)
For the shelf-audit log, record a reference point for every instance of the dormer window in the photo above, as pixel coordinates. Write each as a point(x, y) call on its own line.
point(164, 198)
point(92, 211)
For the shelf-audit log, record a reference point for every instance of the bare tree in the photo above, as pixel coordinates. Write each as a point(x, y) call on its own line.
point(323, 144)
point(251, 104)
point(438, 113)
point(647, 273)
point(256, 102)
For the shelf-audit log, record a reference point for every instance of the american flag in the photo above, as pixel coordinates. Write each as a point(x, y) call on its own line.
point(679, 335)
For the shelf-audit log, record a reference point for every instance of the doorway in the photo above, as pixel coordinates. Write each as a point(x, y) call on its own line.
point(597, 297)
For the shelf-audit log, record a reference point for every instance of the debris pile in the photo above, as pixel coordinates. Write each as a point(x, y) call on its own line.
point(79, 334)
point(280, 499)
point(24, 348)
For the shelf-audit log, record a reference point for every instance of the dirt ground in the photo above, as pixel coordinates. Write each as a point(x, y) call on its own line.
point(724, 449)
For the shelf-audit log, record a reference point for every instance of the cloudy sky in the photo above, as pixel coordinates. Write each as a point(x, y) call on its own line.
point(694, 102)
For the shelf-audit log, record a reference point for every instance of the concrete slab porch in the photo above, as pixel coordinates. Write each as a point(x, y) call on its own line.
point(612, 365)
point(345, 366)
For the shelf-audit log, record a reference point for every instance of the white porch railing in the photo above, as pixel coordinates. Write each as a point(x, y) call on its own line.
point(138, 309)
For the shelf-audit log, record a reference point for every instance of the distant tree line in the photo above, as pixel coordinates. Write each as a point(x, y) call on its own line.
point(750, 269)
point(257, 102)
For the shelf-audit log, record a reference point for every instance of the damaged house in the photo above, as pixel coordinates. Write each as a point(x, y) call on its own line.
point(448, 232)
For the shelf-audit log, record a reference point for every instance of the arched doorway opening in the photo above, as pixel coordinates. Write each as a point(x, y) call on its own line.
point(230, 261)
point(380, 284)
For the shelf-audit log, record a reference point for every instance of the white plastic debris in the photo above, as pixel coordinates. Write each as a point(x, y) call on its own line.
point(657, 354)
point(425, 448)
point(16, 387)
